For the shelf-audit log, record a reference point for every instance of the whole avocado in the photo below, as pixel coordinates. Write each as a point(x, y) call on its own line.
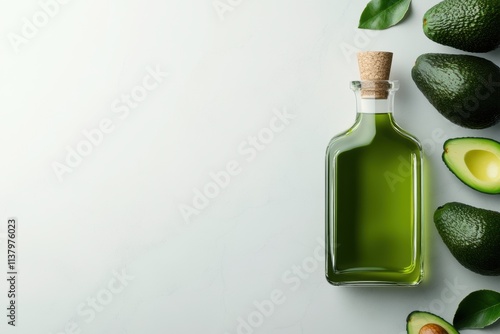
point(465, 89)
point(469, 25)
point(472, 235)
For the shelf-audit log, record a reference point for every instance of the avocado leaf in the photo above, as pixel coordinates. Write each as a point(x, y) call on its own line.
point(479, 309)
point(382, 14)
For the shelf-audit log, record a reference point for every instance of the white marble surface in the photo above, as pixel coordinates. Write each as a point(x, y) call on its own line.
point(103, 244)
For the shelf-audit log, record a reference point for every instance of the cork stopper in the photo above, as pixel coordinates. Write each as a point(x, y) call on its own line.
point(374, 66)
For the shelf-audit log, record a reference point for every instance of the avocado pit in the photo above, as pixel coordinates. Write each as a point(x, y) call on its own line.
point(432, 329)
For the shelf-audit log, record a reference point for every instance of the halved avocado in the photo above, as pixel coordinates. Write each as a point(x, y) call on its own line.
point(417, 321)
point(475, 161)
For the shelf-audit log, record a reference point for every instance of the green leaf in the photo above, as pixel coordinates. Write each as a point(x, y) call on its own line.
point(478, 310)
point(382, 14)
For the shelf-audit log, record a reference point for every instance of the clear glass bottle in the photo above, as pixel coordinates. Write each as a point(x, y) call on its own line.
point(374, 196)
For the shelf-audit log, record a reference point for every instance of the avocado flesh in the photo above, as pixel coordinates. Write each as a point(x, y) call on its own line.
point(472, 235)
point(475, 161)
point(469, 25)
point(464, 89)
point(418, 319)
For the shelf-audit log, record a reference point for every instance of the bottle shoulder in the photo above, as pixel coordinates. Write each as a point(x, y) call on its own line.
point(408, 136)
point(347, 140)
point(392, 137)
point(339, 137)
point(350, 134)
point(342, 139)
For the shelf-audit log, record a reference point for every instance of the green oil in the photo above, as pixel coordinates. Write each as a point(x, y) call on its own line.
point(373, 204)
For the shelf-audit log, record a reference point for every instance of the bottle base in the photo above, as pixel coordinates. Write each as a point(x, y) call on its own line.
point(372, 279)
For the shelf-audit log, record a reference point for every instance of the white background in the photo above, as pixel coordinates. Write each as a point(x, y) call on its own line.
point(119, 209)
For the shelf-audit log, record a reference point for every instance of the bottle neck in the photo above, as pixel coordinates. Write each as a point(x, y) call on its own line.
point(371, 124)
point(374, 97)
point(373, 105)
point(378, 120)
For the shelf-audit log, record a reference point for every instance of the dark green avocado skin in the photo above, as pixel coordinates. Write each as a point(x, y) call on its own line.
point(469, 25)
point(472, 235)
point(465, 89)
point(457, 173)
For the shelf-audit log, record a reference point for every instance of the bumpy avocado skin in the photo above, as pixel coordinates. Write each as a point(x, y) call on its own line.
point(465, 89)
point(472, 235)
point(469, 25)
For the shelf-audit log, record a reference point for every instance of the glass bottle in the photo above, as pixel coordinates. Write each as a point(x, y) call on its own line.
point(374, 190)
